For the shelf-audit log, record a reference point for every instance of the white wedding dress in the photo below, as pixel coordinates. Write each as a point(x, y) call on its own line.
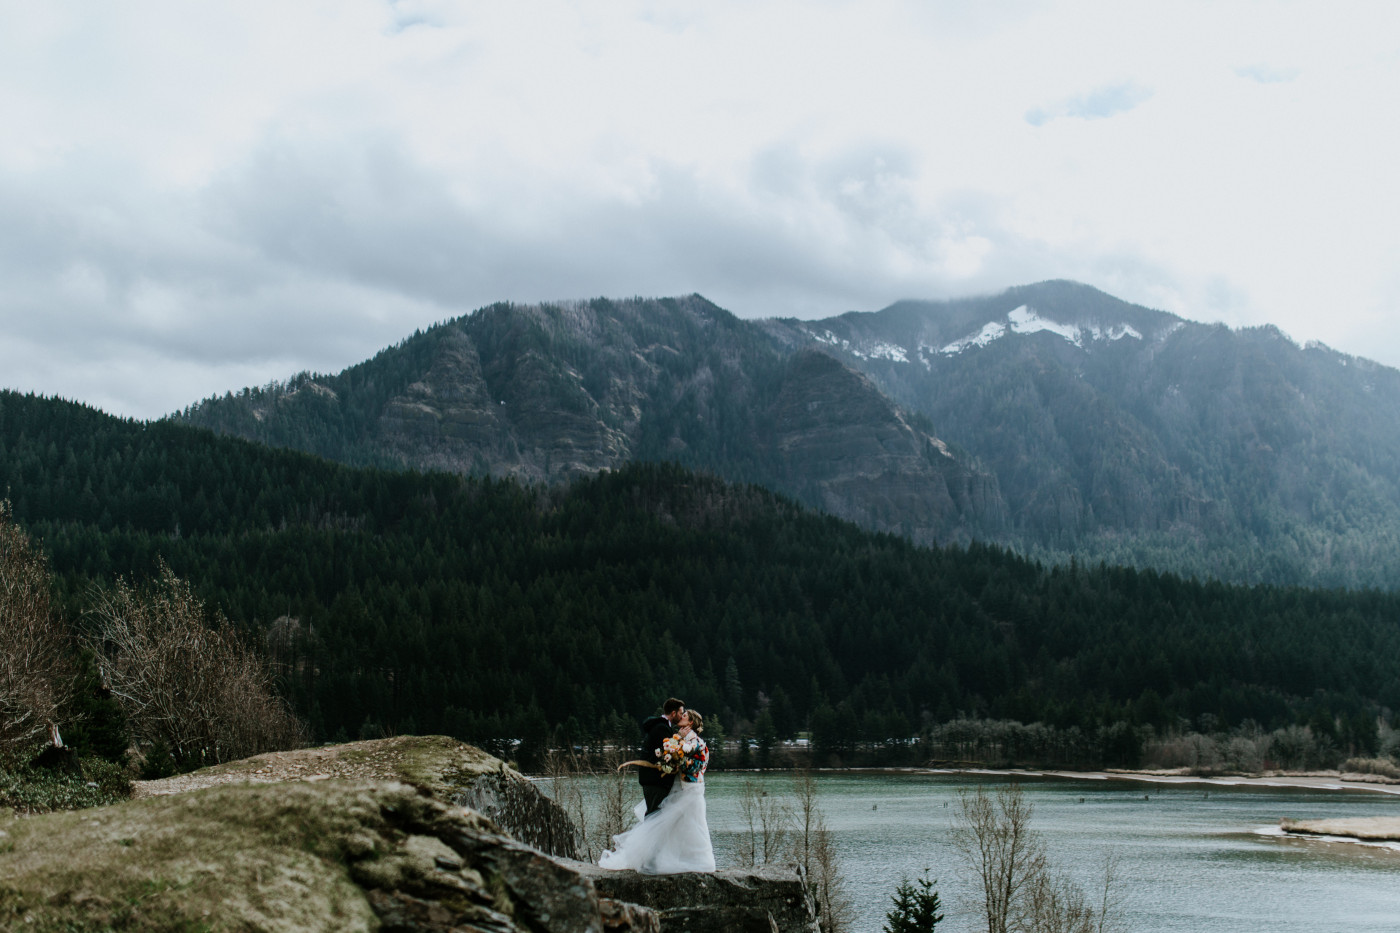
point(674, 839)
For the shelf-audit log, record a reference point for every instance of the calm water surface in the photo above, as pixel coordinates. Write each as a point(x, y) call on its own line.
point(1192, 856)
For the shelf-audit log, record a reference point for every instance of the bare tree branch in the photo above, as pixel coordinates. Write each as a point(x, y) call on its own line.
point(815, 851)
point(37, 671)
point(1021, 892)
point(190, 683)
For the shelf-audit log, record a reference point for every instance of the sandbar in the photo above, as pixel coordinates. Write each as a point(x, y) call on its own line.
point(1312, 780)
point(1365, 829)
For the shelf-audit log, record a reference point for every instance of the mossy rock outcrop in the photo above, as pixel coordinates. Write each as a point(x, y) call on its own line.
point(392, 835)
point(450, 770)
point(337, 855)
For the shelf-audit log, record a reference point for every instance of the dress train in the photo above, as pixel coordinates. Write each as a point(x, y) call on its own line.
point(674, 839)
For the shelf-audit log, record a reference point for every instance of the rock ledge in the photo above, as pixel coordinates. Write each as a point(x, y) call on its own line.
point(772, 899)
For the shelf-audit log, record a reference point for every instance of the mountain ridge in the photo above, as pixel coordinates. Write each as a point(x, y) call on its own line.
point(1052, 417)
point(551, 392)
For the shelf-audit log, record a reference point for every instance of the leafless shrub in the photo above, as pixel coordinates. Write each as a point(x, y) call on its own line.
point(1021, 891)
point(598, 801)
point(37, 672)
point(767, 820)
point(186, 681)
point(815, 851)
point(776, 830)
point(1382, 766)
point(992, 833)
point(1055, 904)
point(1389, 741)
point(1202, 754)
point(563, 769)
point(1245, 753)
point(1110, 895)
point(616, 800)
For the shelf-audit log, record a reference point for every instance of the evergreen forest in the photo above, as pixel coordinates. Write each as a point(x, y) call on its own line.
point(516, 616)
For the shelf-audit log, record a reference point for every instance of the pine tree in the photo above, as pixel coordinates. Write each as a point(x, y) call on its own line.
point(916, 907)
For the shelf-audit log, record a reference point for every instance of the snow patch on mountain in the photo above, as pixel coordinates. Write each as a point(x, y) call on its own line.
point(1024, 320)
point(885, 351)
point(828, 337)
point(986, 335)
point(874, 351)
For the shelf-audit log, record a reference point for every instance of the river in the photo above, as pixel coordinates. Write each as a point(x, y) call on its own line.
point(1197, 858)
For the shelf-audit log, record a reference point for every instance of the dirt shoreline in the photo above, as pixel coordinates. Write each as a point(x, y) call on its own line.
point(1310, 780)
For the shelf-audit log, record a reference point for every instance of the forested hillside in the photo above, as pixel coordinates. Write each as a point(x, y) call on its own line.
point(492, 611)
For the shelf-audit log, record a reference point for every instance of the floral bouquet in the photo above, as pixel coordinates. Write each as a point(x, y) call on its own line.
point(671, 754)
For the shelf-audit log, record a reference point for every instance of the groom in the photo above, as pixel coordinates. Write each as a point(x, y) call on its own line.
point(655, 785)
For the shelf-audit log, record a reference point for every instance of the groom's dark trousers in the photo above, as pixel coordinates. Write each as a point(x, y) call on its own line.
point(655, 785)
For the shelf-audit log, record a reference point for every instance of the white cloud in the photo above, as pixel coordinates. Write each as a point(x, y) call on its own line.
point(1267, 74)
point(197, 198)
point(1098, 104)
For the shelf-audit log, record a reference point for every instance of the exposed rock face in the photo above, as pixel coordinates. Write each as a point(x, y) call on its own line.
point(513, 802)
point(841, 443)
point(772, 899)
point(447, 417)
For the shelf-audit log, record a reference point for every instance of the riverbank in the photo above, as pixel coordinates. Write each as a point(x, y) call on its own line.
point(1310, 780)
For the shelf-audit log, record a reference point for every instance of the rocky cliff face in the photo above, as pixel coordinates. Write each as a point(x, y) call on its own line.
point(265, 845)
point(841, 444)
point(447, 417)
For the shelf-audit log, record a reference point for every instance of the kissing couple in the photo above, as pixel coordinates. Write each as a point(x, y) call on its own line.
point(671, 834)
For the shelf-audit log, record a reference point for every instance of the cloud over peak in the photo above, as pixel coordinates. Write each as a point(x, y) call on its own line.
point(199, 198)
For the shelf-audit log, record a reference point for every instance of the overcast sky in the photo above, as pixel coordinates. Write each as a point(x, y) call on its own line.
point(199, 197)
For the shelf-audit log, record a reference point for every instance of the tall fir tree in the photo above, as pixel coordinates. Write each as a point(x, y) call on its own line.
point(916, 906)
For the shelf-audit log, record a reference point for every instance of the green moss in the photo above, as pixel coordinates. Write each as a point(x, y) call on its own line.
point(230, 858)
point(443, 763)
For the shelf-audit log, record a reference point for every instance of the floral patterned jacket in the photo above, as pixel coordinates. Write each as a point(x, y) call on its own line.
point(697, 758)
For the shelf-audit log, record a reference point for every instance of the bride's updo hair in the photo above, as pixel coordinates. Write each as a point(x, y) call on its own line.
point(697, 722)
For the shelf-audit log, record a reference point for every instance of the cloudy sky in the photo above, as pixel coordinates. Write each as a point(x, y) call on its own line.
point(198, 197)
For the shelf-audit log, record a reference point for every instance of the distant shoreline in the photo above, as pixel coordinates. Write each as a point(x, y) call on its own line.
point(1309, 780)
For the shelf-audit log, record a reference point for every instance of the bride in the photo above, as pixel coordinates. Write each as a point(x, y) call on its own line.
point(676, 837)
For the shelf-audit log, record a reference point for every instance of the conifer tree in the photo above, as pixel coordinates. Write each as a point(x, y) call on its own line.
point(916, 906)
